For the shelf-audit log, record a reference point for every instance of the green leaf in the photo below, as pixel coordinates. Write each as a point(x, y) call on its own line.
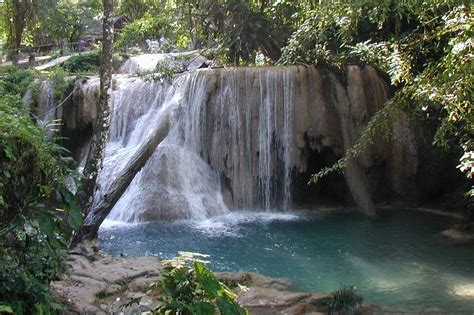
point(6, 309)
point(75, 217)
point(46, 224)
point(203, 309)
point(228, 306)
point(208, 281)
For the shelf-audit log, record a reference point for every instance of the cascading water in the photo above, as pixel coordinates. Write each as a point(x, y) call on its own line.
point(253, 137)
point(230, 140)
point(46, 106)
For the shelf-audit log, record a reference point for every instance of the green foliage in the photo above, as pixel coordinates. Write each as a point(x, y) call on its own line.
point(16, 81)
point(345, 299)
point(35, 208)
point(188, 287)
point(146, 27)
point(237, 28)
point(86, 62)
point(64, 20)
point(60, 82)
point(425, 47)
point(136, 9)
point(6, 309)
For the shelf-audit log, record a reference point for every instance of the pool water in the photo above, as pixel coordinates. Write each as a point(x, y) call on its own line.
point(394, 260)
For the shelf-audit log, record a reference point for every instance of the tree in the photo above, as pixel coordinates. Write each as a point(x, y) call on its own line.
point(101, 129)
point(95, 217)
point(63, 20)
point(17, 14)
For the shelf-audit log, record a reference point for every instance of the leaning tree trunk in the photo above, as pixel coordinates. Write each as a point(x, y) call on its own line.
point(103, 206)
point(101, 128)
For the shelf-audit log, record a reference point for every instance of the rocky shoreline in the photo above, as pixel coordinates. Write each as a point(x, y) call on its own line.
point(97, 283)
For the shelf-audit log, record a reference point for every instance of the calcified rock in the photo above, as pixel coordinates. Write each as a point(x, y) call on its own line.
point(86, 94)
point(252, 279)
point(100, 283)
point(244, 137)
point(140, 64)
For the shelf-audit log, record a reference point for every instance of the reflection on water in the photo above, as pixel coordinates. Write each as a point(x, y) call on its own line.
point(464, 290)
point(395, 260)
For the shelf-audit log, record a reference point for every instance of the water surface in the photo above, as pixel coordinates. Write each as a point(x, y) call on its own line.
point(395, 260)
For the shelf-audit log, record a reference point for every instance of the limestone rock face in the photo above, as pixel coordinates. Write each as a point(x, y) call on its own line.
point(141, 64)
point(86, 95)
point(250, 138)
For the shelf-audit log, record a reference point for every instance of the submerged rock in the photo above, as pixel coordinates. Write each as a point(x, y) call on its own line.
point(460, 235)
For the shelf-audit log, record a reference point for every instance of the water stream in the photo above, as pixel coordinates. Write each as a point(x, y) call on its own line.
point(395, 260)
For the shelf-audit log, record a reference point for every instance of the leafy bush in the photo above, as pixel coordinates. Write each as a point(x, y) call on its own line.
point(86, 62)
point(36, 209)
point(60, 81)
point(188, 287)
point(136, 32)
point(345, 299)
point(16, 81)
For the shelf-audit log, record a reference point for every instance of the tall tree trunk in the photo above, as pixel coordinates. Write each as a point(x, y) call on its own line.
point(17, 27)
point(101, 128)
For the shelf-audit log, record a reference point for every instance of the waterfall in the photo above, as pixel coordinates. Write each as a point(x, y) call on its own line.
point(229, 146)
point(275, 114)
point(46, 107)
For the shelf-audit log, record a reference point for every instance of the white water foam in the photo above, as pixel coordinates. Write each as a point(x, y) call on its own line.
point(231, 223)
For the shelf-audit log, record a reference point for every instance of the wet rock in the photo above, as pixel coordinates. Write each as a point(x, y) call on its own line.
point(94, 285)
point(272, 301)
point(81, 112)
point(197, 62)
point(458, 235)
point(251, 279)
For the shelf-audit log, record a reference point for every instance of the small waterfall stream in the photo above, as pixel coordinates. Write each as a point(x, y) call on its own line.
point(242, 119)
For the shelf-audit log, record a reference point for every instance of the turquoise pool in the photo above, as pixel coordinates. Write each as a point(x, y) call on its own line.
point(394, 260)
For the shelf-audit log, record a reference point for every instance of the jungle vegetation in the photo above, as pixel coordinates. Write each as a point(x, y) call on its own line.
point(425, 48)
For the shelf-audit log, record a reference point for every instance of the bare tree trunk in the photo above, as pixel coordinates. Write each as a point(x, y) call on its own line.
point(88, 230)
point(95, 156)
